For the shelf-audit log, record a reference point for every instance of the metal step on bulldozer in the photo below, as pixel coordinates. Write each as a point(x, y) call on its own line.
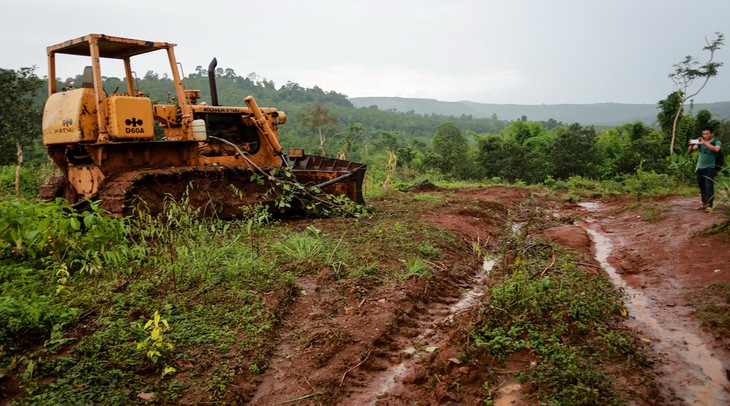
point(130, 154)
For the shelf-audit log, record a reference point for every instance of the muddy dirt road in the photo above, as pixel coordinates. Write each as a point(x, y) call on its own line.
point(396, 346)
point(665, 265)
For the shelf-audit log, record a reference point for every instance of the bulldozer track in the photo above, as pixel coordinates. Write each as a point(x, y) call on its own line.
point(215, 190)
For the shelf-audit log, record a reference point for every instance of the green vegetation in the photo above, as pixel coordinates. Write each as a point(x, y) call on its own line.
point(567, 320)
point(91, 282)
point(714, 307)
point(20, 113)
point(95, 307)
point(686, 73)
point(722, 193)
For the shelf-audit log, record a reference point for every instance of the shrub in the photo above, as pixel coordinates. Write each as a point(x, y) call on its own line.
point(31, 179)
point(647, 183)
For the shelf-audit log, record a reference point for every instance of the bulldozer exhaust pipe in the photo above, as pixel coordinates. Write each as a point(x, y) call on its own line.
point(211, 80)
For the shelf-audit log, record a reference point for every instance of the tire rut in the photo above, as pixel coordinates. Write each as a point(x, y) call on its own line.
point(383, 342)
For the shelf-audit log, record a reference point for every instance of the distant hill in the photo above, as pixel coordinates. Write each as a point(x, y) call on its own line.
point(599, 114)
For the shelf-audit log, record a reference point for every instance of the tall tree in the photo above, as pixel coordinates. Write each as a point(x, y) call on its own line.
point(450, 150)
point(20, 117)
point(353, 141)
point(388, 141)
point(687, 72)
point(320, 119)
point(702, 120)
point(573, 152)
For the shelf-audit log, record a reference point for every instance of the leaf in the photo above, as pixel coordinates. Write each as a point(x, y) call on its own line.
point(146, 395)
point(624, 312)
point(88, 220)
point(168, 371)
point(431, 349)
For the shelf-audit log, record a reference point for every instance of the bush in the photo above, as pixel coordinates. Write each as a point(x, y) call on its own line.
point(31, 179)
point(32, 317)
point(84, 241)
point(647, 183)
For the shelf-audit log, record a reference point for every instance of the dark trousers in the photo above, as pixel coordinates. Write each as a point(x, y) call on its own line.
point(706, 182)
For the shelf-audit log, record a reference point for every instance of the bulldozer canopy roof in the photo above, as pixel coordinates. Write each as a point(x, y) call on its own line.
point(109, 47)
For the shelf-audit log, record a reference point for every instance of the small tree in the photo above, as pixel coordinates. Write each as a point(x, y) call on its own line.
point(573, 152)
point(20, 117)
point(320, 119)
point(686, 72)
point(449, 152)
point(353, 141)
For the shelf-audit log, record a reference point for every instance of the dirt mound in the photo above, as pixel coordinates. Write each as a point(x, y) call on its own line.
point(423, 186)
point(571, 236)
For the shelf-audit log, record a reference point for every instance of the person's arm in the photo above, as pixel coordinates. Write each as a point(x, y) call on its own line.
point(692, 147)
point(713, 148)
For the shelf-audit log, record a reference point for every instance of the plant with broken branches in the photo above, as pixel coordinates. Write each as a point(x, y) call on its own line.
point(314, 201)
point(687, 72)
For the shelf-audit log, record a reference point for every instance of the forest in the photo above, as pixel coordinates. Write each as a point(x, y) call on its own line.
point(460, 148)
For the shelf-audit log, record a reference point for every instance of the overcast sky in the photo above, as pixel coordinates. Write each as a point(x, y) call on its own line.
point(489, 51)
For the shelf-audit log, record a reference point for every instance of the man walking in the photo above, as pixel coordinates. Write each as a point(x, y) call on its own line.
point(705, 170)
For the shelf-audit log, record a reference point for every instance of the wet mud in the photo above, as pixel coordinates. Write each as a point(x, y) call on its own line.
point(657, 266)
point(403, 345)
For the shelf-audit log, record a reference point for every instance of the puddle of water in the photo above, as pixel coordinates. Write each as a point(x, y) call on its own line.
point(389, 380)
point(704, 376)
point(590, 206)
point(467, 299)
point(487, 265)
point(508, 395)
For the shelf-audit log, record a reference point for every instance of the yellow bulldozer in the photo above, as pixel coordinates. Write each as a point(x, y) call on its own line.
point(131, 154)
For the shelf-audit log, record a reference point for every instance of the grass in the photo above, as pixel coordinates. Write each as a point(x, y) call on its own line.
point(222, 286)
point(722, 199)
point(200, 275)
point(31, 179)
point(415, 267)
point(714, 307)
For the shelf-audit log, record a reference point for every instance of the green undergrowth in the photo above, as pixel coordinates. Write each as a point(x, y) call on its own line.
point(714, 307)
point(640, 185)
point(31, 178)
point(722, 201)
point(78, 291)
point(567, 320)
